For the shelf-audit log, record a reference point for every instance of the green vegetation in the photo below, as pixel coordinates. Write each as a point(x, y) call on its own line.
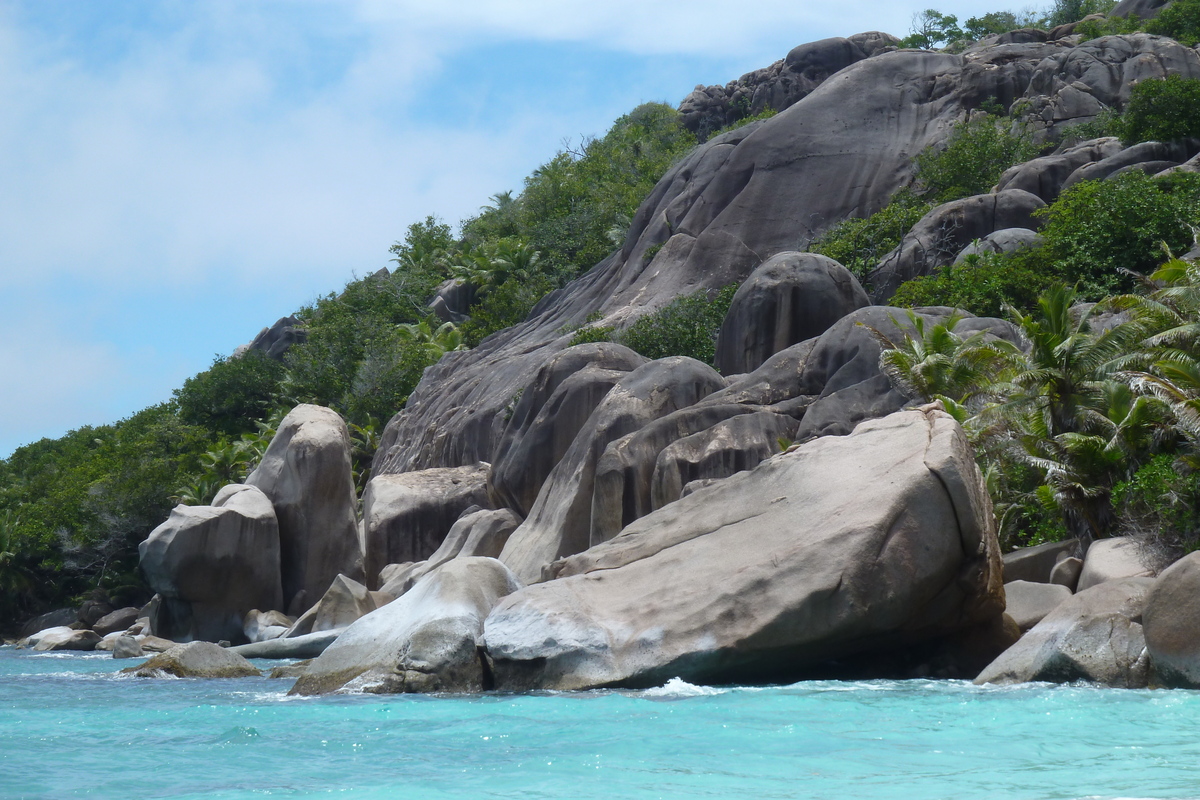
point(1162, 110)
point(982, 284)
point(687, 326)
point(860, 244)
point(1180, 20)
point(976, 153)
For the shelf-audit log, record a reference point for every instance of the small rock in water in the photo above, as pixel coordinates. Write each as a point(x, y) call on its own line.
point(195, 660)
point(127, 647)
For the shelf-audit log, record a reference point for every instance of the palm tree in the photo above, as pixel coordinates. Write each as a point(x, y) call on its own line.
point(436, 342)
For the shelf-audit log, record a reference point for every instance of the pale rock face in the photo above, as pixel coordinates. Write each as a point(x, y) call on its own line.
point(62, 638)
point(769, 572)
point(1095, 635)
point(477, 532)
point(306, 475)
point(407, 516)
point(425, 641)
point(212, 564)
point(1028, 603)
point(1110, 560)
point(559, 523)
point(1172, 623)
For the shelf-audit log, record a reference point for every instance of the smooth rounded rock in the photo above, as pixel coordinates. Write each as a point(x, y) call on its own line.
point(1171, 622)
point(1112, 559)
point(195, 660)
point(1028, 603)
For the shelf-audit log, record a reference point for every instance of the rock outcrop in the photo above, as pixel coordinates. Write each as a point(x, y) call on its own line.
point(477, 532)
point(559, 523)
point(425, 641)
point(408, 515)
point(790, 298)
point(1112, 559)
point(305, 473)
point(212, 564)
point(1171, 623)
point(195, 660)
point(770, 573)
point(1095, 635)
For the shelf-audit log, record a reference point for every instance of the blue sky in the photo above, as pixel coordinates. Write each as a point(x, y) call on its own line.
point(175, 175)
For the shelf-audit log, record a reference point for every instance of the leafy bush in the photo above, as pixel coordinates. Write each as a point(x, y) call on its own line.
point(1096, 229)
point(976, 153)
point(504, 307)
point(860, 244)
point(1162, 110)
point(1109, 26)
point(931, 28)
point(232, 394)
point(1066, 11)
point(983, 284)
point(1161, 503)
point(687, 326)
point(766, 113)
point(1180, 20)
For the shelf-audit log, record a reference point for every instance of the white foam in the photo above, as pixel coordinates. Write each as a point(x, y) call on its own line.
point(678, 687)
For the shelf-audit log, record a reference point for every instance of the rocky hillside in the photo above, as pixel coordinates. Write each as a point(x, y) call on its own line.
point(545, 513)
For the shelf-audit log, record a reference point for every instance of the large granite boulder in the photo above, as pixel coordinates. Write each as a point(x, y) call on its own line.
point(477, 532)
point(275, 341)
point(408, 515)
point(62, 638)
point(559, 523)
point(310, 645)
point(942, 233)
point(426, 641)
point(118, 620)
point(1150, 157)
point(790, 298)
point(1028, 602)
point(1095, 635)
point(1112, 559)
point(212, 564)
point(1045, 176)
point(58, 618)
point(1171, 622)
point(343, 602)
point(771, 573)
point(734, 445)
point(1036, 563)
point(306, 475)
point(1005, 240)
point(547, 415)
point(195, 660)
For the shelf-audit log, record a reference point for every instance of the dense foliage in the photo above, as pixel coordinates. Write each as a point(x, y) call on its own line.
point(1162, 110)
point(974, 156)
point(859, 244)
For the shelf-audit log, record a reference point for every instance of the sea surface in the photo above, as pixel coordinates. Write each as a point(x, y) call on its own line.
point(71, 726)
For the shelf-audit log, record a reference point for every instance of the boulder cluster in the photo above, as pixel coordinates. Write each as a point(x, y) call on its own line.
point(545, 515)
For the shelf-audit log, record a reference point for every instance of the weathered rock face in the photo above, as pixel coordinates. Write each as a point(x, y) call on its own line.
point(261, 626)
point(62, 638)
point(453, 300)
point(1170, 622)
point(212, 564)
point(790, 298)
point(118, 620)
point(559, 522)
point(195, 660)
point(1045, 176)
point(426, 641)
point(1005, 240)
point(771, 572)
point(306, 475)
point(476, 533)
point(942, 233)
point(1095, 635)
point(276, 340)
point(1028, 602)
point(1112, 559)
point(549, 413)
point(1036, 563)
point(58, 618)
point(734, 445)
point(407, 516)
point(1150, 157)
point(710, 108)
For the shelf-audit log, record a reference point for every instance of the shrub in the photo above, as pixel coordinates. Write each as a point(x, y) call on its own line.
point(1161, 503)
point(687, 326)
point(1180, 20)
point(232, 394)
point(860, 244)
point(1162, 110)
point(982, 284)
point(976, 153)
point(504, 307)
point(1096, 229)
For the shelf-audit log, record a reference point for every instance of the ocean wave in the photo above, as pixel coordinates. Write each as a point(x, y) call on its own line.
point(677, 687)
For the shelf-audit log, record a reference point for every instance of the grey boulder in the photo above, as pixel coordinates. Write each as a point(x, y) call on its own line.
point(1112, 559)
point(119, 620)
point(195, 660)
point(1095, 635)
point(559, 523)
point(1005, 240)
point(1036, 563)
point(477, 532)
point(1171, 621)
point(1046, 175)
point(773, 572)
point(63, 638)
point(306, 475)
point(343, 602)
point(426, 641)
point(1028, 603)
point(789, 298)
point(212, 564)
point(408, 515)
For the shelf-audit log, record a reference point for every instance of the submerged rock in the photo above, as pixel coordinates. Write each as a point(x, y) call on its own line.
point(426, 641)
point(773, 572)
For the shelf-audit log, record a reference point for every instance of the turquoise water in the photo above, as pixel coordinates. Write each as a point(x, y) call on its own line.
point(70, 727)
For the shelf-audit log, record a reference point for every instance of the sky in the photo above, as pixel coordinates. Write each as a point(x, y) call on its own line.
point(175, 175)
